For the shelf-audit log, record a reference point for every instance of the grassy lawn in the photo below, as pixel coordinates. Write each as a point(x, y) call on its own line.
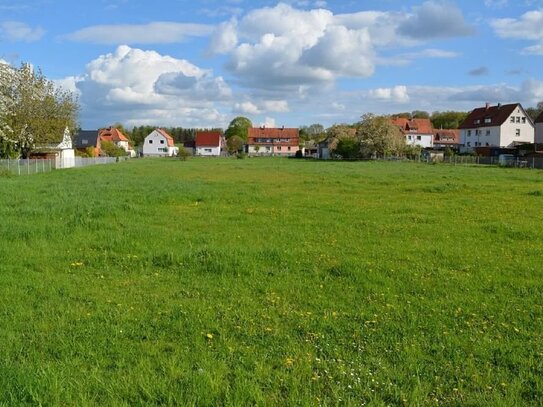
point(272, 282)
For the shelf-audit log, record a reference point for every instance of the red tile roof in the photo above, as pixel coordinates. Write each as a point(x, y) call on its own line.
point(208, 139)
point(413, 126)
point(168, 138)
point(489, 116)
point(112, 134)
point(277, 136)
point(447, 136)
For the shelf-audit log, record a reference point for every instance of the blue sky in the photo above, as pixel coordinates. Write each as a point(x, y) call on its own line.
point(201, 63)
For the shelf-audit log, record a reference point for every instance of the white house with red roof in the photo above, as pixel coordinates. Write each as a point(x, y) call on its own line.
point(208, 143)
point(417, 132)
point(273, 141)
point(539, 129)
point(118, 138)
point(496, 126)
point(159, 144)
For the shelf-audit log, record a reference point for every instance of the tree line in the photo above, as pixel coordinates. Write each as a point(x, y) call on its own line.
point(33, 111)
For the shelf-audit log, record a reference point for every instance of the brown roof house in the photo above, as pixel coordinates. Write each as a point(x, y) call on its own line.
point(500, 126)
point(444, 138)
point(208, 143)
point(417, 132)
point(273, 141)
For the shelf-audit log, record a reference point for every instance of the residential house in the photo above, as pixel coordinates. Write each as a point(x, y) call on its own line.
point(447, 138)
point(88, 142)
point(159, 144)
point(116, 137)
point(539, 129)
point(500, 126)
point(273, 141)
point(417, 132)
point(208, 143)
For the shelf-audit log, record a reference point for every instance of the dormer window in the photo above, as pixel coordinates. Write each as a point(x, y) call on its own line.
point(488, 120)
point(477, 121)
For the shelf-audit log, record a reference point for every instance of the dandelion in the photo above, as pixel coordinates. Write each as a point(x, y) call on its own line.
point(289, 362)
point(209, 336)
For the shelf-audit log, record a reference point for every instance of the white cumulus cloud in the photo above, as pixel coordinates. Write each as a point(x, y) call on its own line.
point(136, 86)
point(528, 27)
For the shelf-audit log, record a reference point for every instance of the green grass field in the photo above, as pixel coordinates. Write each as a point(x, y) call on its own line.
point(272, 282)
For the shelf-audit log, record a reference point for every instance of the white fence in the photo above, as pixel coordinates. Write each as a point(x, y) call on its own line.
point(32, 166)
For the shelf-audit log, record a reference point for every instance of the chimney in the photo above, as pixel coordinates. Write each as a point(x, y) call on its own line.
point(499, 105)
point(283, 127)
point(487, 105)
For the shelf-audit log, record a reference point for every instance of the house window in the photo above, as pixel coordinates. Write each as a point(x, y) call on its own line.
point(469, 133)
point(207, 150)
point(477, 121)
point(524, 120)
point(150, 141)
point(419, 138)
point(288, 148)
point(512, 120)
point(518, 119)
point(488, 120)
point(488, 132)
point(161, 141)
point(517, 132)
point(279, 148)
point(469, 143)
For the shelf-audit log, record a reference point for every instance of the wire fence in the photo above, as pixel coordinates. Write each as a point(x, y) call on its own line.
point(37, 166)
point(508, 161)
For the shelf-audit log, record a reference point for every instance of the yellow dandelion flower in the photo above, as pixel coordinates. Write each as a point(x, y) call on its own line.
point(209, 336)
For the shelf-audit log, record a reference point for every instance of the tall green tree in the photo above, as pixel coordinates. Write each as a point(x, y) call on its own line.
point(534, 112)
point(314, 132)
point(448, 119)
point(234, 144)
point(379, 137)
point(38, 111)
point(239, 127)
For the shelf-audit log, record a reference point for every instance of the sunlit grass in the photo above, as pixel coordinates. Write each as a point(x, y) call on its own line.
point(272, 282)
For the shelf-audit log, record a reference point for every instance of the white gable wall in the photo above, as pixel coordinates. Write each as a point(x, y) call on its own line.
point(422, 140)
point(509, 129)
point(155, 144)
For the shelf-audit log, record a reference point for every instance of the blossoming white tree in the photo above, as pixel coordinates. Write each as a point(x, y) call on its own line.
point(32, 110)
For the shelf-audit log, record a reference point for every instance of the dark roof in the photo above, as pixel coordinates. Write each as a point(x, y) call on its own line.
point(86, 138)
point(539, 118)
point(208, 139)
point(489, 116)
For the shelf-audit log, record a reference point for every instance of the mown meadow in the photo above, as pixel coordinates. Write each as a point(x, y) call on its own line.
point(270, 281)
